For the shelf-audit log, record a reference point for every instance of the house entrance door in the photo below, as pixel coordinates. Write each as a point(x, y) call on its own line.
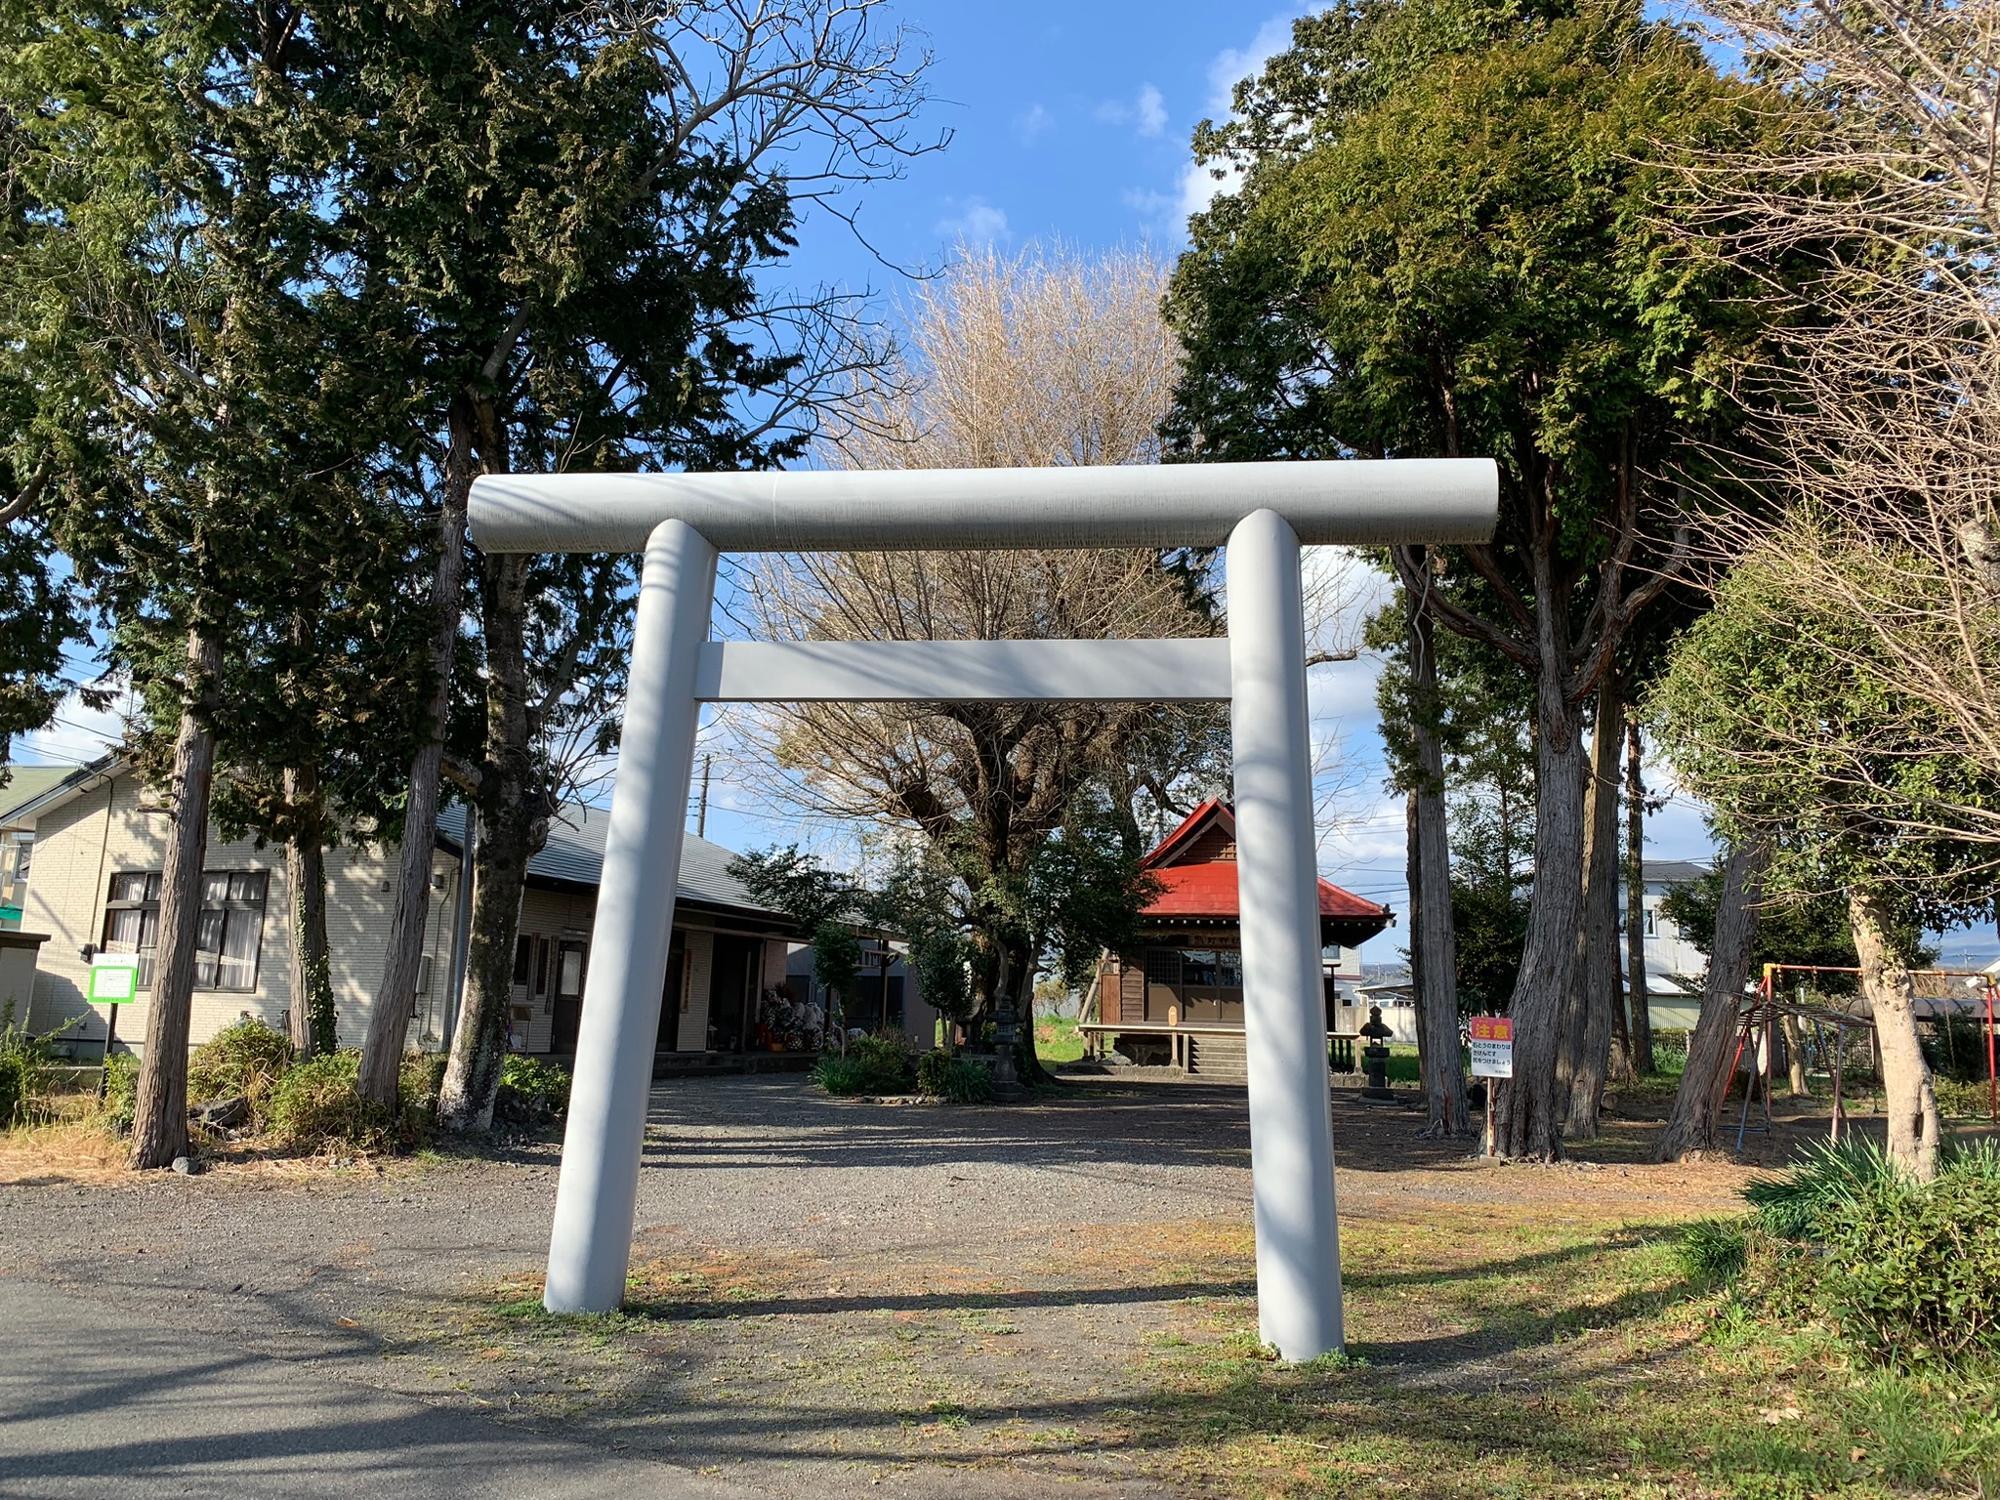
point(673, 995)
point(738, 965)
point(568, 1008)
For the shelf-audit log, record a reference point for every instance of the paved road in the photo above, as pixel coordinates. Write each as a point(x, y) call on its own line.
point(89, 1408)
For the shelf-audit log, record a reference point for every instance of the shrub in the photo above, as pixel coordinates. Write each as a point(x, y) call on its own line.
point(1825, 1177)
point(941, 1075)
point(1976, 1161)
point(881, 1064)
point(532, 1092)
point(25, 1065)
point(1965, 1101)
point(245, 1059)
point(1914, 1268)
point(1955, 1048)
point(1670, 1053)
point(1908, 1271)
point(839, 1075)
point(121, 1091)
point(418, 1083)
point(316, 1107)
point(1713, 1250)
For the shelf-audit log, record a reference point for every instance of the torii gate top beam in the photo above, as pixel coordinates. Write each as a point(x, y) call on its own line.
point(1339, 501)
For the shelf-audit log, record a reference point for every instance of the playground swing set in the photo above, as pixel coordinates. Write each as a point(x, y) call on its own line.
point(1761, 1034)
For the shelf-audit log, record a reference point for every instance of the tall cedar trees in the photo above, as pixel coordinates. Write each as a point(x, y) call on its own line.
point(1038, 360)
point(1483, 768)
point(1749, 688)
point(575, 202)
point(39, 438)
point(193, 298)
point(1443, 242)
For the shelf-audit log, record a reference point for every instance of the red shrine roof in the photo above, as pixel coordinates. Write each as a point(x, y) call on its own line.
point(1198, 880)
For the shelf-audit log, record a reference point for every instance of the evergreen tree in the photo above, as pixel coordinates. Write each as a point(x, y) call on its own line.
point(574, 204)
point(191, 289)
point(1446, 241)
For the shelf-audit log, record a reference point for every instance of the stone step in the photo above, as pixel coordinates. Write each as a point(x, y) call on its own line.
point(1217, 1059)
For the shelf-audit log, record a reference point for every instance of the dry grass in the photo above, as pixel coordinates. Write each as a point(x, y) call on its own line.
point(60, 1150)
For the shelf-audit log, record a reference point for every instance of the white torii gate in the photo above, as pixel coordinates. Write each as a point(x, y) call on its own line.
point(1261, 513)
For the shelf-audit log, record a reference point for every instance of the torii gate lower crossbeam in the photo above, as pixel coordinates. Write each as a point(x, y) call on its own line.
point(675, 668)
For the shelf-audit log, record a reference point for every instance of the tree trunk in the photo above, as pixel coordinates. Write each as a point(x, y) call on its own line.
point(1433, 959)
point(1795, 1054)
point(512, 821)
point(389, 1016)
point(159, 1121)
point(1692, 1125)
point(1909, 1098)
point(1596, 1002)
point(311, 1018)
point(1635, 906)
point(1027, 1060)
point(1528, 1108)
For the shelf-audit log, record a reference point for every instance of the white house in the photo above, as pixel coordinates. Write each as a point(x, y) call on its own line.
point(94, 841)
point(1675, 967)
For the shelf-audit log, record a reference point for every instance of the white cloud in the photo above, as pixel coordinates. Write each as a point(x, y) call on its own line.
point(1147, 114)
point(975, 221)
point(1199, 187)
point(1232, 65)
point(77, 733)
point(1033, 123)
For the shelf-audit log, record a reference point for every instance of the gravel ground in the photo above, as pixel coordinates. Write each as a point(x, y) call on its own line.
point(838, 1232)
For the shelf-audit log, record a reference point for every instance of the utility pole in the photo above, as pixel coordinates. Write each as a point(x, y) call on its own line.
point(701, 813)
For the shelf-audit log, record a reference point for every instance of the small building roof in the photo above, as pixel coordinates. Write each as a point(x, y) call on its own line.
point(1673, 871)
point(1194, 889)
point(32, 790)
point(573, 859)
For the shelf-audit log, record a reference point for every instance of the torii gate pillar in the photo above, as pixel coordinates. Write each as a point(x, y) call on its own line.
point(1284, 985)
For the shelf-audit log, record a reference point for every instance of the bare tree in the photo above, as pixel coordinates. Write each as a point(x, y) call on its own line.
point(1880, 426)
point(1869, 207)
point(1042, 358)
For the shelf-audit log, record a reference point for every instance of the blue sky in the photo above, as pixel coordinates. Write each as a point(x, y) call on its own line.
point(1069, 122)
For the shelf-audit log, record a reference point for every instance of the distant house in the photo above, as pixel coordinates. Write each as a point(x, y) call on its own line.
point(885, 998)
point(96, 835)
point(1178, 991)
point(1675, 967)
point(17, 846)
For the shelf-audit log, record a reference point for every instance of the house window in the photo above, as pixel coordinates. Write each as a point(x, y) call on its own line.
point(1163, 966)
point(1652, 923)
point(228, 934)
point(524, 955)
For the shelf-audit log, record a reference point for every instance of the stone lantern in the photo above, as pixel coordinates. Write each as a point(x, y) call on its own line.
point(1375, 1058)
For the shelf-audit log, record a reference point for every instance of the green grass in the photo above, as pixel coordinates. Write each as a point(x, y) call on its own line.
point(1057, 1040)
point(1573, 1361)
